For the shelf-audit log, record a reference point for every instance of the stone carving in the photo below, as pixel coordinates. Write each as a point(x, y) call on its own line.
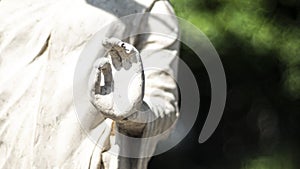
point(123, 57)
point(40, 44)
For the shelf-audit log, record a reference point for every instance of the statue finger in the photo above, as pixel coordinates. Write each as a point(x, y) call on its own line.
point(108, 79)
point(96, 87)
point(126, 52)
point(111, 43)
point(97, 83)
point(116, 59)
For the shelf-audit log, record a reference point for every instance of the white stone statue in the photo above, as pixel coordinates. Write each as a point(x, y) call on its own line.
point(40, 45)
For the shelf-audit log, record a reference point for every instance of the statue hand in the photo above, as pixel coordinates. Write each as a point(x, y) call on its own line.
point(117, 91)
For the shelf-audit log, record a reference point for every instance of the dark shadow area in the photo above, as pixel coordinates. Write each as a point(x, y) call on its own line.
point(115, 5)
point(259, 118)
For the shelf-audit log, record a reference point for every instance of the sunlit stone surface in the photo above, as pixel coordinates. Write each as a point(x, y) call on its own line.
point(40, 43)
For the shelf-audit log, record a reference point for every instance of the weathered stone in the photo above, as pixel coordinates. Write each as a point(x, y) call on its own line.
point(40, 44)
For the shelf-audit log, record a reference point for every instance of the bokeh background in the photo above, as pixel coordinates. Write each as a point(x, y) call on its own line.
point(259, 44)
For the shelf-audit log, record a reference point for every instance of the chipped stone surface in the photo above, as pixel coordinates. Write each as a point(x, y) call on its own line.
point(40, 43)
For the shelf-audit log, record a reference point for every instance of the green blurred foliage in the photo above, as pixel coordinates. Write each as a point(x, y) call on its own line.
point(259, 44)
point(278, 161)
point(255, 30)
